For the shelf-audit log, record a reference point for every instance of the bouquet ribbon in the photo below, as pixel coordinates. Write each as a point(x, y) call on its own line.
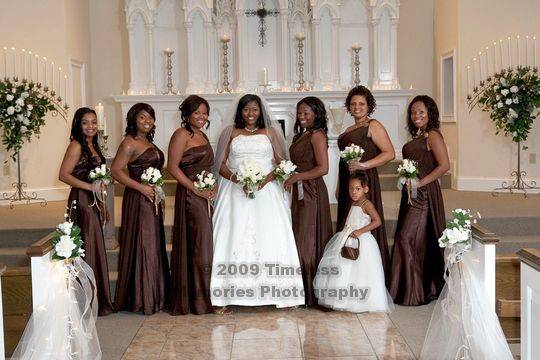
point(159, 197)
point(300, 188)
point(100, 193)
point(412, 191)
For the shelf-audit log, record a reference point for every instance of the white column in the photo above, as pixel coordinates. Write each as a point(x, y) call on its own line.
point(210, 60)
point(336, 82)
point(151, 88)
point(315, 23)
point(484, 259)
point(240, 46)
point(375, 81)
point(395, 80)
point(188, 25)
point(132, 71)
point(530, 303)
point(283, 75)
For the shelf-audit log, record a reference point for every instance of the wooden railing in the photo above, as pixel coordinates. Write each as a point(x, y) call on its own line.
point(2, 347)
point(530, 303)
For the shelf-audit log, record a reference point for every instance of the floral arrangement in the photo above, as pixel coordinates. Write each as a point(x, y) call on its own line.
point(458, 230)
point(512, 98)
point(100, 173)
point(250, 174)
point(100, 178)
point(152, 176)
point(66, 240)
point(352, 152)
point(23, 106)
point(284, 170)
point(407, 170)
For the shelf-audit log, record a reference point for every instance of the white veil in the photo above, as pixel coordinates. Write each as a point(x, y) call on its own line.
point(274, 132)
point(463, 324)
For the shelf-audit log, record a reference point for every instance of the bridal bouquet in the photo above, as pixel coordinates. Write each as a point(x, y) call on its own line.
point(67, 311)
point(153, 177)
point(284, 170)
point(100, 178)
point(250, 175)
point(352, 152)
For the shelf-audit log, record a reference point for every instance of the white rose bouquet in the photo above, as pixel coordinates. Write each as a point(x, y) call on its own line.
point(284, 170)
point(66, 240)
point(250, 175)
point(100, 178)
point(408, 171)
point(352, 152)
point(153, 177)
point(206, 181)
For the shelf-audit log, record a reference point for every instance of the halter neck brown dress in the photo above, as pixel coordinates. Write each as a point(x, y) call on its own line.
point(359, 136)
point(143, 269)
point(89, 220)
point(312, 224)
point(191, 260)
point(417, 259)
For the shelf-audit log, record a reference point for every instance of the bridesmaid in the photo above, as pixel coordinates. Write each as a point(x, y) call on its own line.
point(417, 259)
point(371, 135)
point(143, 269)
point(312, 224)
point(190, 153)
point(82, 156)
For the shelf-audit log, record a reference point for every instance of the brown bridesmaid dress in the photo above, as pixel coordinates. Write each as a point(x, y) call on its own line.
point(360, 137)
point(143, 269)
point(89, 220)
point(191, 260)
point(312, 224)
point(417, 259)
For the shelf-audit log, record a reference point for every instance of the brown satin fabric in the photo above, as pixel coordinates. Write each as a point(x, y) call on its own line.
point(417, 259)
point(312, 224)
point(143, 269)
point(191, 260)
point(360, 137)
point(89, 220)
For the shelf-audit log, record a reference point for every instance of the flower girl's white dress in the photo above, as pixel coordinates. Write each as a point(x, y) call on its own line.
point(366, 272)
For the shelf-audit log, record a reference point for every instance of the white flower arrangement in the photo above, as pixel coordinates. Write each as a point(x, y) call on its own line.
point(66, 240)
point(284, 170)
point(152, 176)
point(351, 152)
point(458, 230)
point(407, 170)
point(205, 181)
point(250, 174)
point(100, 173)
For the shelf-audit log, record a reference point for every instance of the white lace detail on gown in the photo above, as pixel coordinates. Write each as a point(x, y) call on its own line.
point(253, 234)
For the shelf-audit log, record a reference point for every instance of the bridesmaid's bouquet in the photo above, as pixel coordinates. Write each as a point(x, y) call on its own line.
point(153, 177)
point(352, 152)
point(100, 178)
point(408, 171)
point(284, 170)
point(206, 181)
point(250, 175)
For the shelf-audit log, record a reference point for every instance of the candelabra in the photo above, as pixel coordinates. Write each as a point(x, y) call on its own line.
point(103, 138)
point(168, 52)
point(356, 48)
point(301, 84)
point(225, 40)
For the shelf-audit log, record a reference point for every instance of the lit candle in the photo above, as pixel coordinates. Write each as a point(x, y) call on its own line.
point(30, 57)
point(225, 38)
point(52, 76)
point(300, 36)
point(534, 50)
point(65, 89)
point(495, 68)
point(501, 53)
point(264, 76)
point(481, 72)
point(37, 67)
point(44, 71)
point(518, 52)
point(476, 72)
point(23, 63)
point(509, 54)
point(100, 113)
point(59, 79)
point(527, 50)
point(5, 62)
point(468, 79)
point(487, 62)
point(14, 71)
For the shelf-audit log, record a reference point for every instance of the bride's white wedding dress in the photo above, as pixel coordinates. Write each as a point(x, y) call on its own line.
point(255, 259)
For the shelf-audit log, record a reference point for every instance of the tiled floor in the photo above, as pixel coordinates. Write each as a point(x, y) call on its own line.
point(268, 333)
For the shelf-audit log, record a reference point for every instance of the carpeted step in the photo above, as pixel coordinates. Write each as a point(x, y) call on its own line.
point(22, 237)
point(14, 256)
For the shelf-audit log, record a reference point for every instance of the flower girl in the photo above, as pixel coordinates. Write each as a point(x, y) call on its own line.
point(350, 276)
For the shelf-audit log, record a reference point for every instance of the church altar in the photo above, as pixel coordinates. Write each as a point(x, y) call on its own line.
point(276, 47)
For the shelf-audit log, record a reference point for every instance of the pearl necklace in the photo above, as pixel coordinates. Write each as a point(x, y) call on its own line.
point(251, 131)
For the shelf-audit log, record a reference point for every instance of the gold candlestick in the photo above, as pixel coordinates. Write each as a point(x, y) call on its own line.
point(168, 52)
point(301, 84)
point(225, 86)
point(356, 48)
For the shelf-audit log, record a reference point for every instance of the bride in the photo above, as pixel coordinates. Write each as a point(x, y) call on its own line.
point(255, 258)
